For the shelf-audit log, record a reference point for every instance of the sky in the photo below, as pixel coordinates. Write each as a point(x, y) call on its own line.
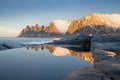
point(16, 14)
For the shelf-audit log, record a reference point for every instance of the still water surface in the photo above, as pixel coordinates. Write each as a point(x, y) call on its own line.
point(41, 63)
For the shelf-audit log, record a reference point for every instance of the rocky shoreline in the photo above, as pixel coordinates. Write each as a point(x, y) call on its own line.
point(9, 45)
point(106, 55)
point(4, 47)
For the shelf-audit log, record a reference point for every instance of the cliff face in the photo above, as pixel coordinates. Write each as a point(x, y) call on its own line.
point(51, 28)
point(96, 24)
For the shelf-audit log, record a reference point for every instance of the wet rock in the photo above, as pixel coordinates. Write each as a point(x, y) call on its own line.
point(8, 47)
point(106, 54)
point(83, 41)
point(103, 55)
point(111, 68)
point(105, 39)
point(7, 44)
point(72, 40)
point(2, 48)
point(108, 65)
point(87, 73)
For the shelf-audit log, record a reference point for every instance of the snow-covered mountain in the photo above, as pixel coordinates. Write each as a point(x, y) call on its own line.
point(58, 26)
point(96, 19)
point(62, 25)
point(108, 19)
point(96, 23)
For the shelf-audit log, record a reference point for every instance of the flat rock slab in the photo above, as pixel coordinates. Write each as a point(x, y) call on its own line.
point(106, 54)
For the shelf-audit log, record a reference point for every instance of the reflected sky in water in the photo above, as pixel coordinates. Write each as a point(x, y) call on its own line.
point(46, 62)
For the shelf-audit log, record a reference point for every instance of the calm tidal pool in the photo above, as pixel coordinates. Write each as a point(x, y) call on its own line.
point(41, 63)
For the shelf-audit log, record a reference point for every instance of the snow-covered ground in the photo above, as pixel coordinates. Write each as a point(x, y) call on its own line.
point(62, 25)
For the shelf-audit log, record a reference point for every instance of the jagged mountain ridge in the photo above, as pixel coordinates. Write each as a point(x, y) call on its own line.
point(55, 28)
point(96, 23)
point(32, 31)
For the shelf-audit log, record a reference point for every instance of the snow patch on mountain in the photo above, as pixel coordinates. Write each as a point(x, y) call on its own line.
point(109, 19)
point(62, 25)
point(115, 18)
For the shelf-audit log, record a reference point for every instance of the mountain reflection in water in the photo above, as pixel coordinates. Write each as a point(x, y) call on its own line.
point(60, 51)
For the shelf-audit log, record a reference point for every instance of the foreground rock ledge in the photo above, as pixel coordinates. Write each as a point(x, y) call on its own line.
point(106, 54)
point(83, 42)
